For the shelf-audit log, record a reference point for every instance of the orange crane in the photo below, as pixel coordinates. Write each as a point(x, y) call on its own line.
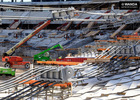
point(16, 60)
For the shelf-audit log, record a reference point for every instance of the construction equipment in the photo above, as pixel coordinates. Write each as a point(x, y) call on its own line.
point(44, 55)
point(7, 71)
point(16, 60)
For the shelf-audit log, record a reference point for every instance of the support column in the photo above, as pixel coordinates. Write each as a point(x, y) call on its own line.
point(46, 95)
point(52, 92)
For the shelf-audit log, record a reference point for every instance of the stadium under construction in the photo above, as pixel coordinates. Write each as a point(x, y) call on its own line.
point(67, 49)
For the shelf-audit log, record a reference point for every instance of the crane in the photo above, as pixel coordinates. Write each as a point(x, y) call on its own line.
point(16, 60)
point(44, 55)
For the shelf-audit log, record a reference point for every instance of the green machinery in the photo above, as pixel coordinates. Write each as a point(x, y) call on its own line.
point(44, 55)
point(7, 71)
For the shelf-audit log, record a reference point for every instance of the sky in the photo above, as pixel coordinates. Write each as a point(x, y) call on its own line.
point(17, 0)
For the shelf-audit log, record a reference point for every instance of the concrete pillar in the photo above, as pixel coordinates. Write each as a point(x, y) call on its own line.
point(46, 95)
point(31, 66)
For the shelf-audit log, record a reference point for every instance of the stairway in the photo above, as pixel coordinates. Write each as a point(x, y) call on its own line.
point(90, 25)
point(118, 31)
point(16, 23)
point(64, 28)
point(136, 31)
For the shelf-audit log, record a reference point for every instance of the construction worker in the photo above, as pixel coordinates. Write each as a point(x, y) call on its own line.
point(69, 55)
point(136, 33)
point(60, 57)
point(66, 36)
point(15, 36)
point(39, 36)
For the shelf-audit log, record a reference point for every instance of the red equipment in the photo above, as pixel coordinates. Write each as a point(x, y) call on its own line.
point(16, 60)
